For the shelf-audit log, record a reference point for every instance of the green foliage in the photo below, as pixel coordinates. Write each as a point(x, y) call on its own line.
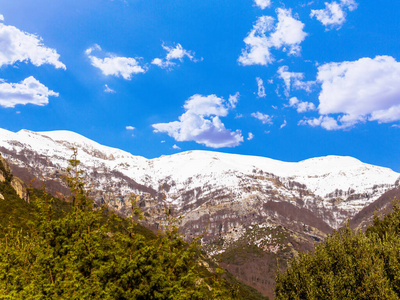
point(79, 254)
point(348, 265)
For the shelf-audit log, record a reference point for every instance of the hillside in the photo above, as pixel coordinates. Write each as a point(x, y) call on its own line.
point(258, 207)
point(40, 224)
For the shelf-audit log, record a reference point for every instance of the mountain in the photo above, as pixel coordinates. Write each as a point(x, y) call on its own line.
point(248, 210)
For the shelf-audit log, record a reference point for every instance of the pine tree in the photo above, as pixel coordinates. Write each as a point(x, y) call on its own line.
point(348, 265)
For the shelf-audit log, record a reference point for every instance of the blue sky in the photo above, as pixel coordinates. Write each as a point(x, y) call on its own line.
point(289, 80)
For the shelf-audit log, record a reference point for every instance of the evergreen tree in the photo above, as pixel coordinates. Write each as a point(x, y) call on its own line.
point(348, 265)
point(90, 253)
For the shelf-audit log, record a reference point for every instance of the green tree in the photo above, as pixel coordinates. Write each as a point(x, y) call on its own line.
point(90, 253)
point(348, 265)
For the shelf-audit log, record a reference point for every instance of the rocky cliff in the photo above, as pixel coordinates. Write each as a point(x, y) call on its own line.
point(16, 183)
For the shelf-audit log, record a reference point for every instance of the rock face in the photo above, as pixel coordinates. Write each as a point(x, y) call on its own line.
point(17, 184)
point(5, 169)
point(20, 187)
point(236, 203)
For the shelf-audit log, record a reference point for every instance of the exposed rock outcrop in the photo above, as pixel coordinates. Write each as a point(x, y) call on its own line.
point(20, 187)
point(5, 169)
point(17, 184)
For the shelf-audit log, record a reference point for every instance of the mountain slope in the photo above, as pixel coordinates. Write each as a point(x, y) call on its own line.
point(334, 187)
point(237, 203)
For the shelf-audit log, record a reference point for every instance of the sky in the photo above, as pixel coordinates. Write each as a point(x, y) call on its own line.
point(288, 80)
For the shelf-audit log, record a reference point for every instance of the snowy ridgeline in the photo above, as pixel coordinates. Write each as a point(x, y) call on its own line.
point(326, 178)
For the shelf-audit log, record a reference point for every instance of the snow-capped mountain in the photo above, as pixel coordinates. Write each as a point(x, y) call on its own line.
point(333, 187)
point(232, 201)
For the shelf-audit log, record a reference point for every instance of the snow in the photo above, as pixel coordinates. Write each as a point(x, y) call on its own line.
point(201, 169)
point(322, 175)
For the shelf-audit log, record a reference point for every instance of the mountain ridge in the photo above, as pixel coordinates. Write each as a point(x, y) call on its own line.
point(328, 177)
point(257, 206)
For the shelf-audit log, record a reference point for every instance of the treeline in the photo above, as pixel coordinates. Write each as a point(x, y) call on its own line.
point(59, 250)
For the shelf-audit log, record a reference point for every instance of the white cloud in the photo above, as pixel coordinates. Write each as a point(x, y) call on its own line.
point(130, 128)
point(305, 106)
point(238, 116)
point(107, 89)
point(294, 80)
point(362, 87)
point(258, 45)
point(28, 91)
point(176, 147)
point(288, 34)
point(334, 13)
point(233, 100)
point(201, 123)
point(173, 54)
point(283, 124)
point(263, 3)
point(358, 91)
point(20, 46)
point(250, 136)
point(162, 64)
point(350, 4)
point(265, 119)
point(261, 88)
point(301, 107)
point(177, 53)
point(325, 122)
point(115, 65)
point(391, 114)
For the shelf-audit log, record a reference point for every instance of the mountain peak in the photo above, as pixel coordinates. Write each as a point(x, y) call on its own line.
point(332, 183)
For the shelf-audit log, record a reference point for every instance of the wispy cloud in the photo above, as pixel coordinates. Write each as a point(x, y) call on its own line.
point(301, 106)
point(111, 64)
point(334, 13)
point(261, 88)
point(263, 4)
point(107, 89)
point(250, 136)
point(20, 46)
point(286, 35)
point(173, 55)
point(325, 122)
point(201, 123)
point(294, 80)
point(264, 118)
point(233, 100)
point(28, 91)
